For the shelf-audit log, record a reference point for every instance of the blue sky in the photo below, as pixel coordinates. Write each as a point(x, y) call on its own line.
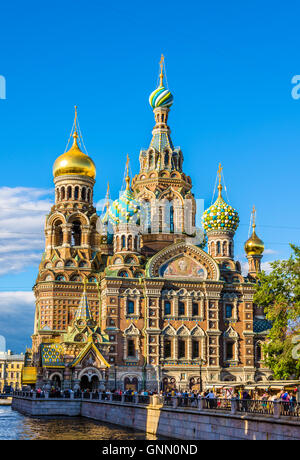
point(229, 67)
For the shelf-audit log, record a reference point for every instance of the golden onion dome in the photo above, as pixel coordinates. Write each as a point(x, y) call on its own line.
point(74, 162)
point(254, 246)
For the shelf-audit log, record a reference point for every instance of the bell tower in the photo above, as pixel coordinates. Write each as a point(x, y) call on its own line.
point(72, 243)
point(254, 248)
point(168, 207)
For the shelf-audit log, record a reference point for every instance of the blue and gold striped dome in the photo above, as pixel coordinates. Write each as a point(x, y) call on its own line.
point(125, 209)
point(161, 97)
point(220, 216)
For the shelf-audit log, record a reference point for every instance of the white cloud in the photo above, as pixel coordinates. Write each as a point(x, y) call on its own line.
point(270, 251)
point(266, 267)
point(17, 318)
point(22, 217)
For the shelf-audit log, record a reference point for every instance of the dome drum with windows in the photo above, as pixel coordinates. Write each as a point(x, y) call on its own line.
point(220, 215)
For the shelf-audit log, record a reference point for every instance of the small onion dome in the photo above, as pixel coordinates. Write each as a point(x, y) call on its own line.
point(74, 162)
point(254, 246)
point(125, 209)
point(220, 216)
point(161, 97)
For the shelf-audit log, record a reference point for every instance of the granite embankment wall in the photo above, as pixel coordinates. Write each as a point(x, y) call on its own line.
point(174, 423)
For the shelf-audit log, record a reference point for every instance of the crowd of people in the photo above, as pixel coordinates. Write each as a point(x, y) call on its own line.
point(213, 398)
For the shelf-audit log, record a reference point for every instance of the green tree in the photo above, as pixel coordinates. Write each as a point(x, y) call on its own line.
point(279, 294)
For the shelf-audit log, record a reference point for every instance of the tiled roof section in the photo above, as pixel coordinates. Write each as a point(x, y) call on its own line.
point(83, 310)
point(52, 355)
point(161, 140)
point(261, 325)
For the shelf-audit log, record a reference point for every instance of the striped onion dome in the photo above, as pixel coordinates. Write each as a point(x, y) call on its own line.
point(161, 97)
point(125, 209)
point(220, 216)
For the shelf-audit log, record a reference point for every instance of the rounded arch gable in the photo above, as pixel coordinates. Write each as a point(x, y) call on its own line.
point(192, 262)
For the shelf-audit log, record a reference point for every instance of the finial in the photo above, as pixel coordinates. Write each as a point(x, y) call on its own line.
point(161, 63)
point(127, 178)
point(75, 135)
point(253, 217)
point(219, 172)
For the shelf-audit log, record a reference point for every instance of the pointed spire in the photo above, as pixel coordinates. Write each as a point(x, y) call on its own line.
point(107, 196)
point(83, 311)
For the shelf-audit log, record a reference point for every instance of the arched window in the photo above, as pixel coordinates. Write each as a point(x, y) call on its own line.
point(160, 218)
point(195, 309)
point(58, 233)
point(181, 348)
point(258, 352)
point(131, 347)
point(83, 193)
point(123, 241)
point(147, 213)
point(172, 218)
point(167, 307)
point(62, 193)
point(167, 159)
point(167, 348)
point(60, 278)
point(89, 195)
point(218, 248)
point(195, 349)
point(229, 350)
point(181, 308)
point(230, 249)
point(130, 307)
point(228, 311)
point(76, 193)
point(76, 233)
point(69, 192)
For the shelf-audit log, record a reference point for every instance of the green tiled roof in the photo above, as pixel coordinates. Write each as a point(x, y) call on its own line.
point(261, 325)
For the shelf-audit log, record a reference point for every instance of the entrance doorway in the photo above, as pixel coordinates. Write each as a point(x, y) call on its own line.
point(169, 384)
point(91, 385)
point(56, 381)
point(130, 384)
point(195, 384)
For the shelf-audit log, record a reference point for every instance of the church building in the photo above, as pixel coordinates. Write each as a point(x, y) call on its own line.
point(139, 297)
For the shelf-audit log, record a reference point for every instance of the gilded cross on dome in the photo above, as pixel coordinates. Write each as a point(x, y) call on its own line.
point(220, 178)
point(161, 63)
point(253, 216)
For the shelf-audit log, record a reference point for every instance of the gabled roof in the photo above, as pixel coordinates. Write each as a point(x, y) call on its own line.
point(84, 352)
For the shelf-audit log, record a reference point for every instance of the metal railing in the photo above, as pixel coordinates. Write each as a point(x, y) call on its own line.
point(235, 406)
point(143, 399)
point(252, 406)
point(217, 404)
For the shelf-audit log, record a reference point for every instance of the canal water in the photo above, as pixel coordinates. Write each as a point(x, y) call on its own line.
point(14, 425)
